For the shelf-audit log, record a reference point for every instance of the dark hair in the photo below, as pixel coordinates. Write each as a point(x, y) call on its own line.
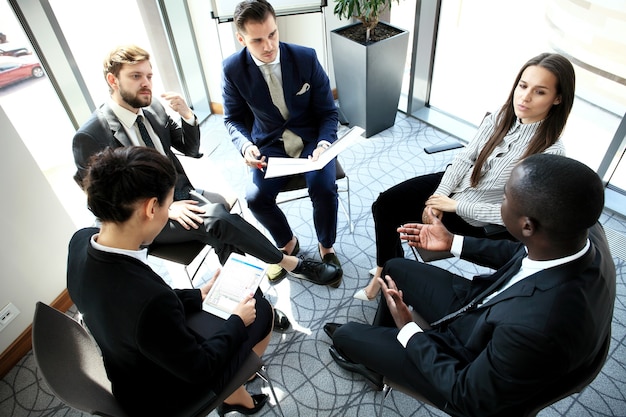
point(562, 195)
point(128, 54)
point(251, 10)
point(118, 178)
point(551, 127)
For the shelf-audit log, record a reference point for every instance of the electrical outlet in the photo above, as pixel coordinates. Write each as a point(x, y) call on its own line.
point(7, 315)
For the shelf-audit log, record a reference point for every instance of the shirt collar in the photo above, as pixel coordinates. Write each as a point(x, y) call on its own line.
point(125, 116)
point(141, 254)
point(261, 63)
point(530, 264)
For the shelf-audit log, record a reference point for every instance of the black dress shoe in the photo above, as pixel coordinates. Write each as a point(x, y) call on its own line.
point(281, 322)
point(329, 328)
point(258, 399)
point(374, 379)
point(318, 272)
point(331, 258)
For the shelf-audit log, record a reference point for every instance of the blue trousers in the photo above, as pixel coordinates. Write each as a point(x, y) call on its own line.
point(261, 198)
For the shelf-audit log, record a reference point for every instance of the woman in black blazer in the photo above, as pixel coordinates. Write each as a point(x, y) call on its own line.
point(155, 361)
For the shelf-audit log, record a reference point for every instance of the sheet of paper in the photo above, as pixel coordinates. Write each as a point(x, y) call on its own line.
point(240, 275)
point(279, 167)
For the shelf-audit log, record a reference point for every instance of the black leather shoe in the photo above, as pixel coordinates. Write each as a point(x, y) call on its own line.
point(281, 322)
point(331, 258)
point(258, 399)
point(329, 328)
point(374, 379)
point(318, 272)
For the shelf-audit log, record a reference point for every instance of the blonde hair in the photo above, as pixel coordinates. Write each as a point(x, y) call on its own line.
point(127, 54)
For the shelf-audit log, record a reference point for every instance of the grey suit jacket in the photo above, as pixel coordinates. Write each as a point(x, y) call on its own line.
point(103, 130)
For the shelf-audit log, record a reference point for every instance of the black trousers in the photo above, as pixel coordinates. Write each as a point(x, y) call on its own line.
point(404, 203)
point(430, 291)
point(226, 233)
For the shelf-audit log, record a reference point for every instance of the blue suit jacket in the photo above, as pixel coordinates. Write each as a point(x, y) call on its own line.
point(249, 113)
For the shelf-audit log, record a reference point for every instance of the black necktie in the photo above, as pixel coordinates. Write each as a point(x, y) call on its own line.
point(507, 274)
point(145, 136)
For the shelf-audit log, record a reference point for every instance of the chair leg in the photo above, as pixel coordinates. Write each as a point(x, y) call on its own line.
point(386, 391)
point(191, 277)
point(347, 212)
point(262, 373)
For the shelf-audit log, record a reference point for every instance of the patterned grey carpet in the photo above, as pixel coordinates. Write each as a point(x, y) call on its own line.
point(307, 381)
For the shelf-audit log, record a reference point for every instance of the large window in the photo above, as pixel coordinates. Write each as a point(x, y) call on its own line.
point(481, 46)
point(38, 116)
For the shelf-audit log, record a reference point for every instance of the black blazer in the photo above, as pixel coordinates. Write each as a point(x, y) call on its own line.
point(155, 363)
point(487, 354)
point(103, 130)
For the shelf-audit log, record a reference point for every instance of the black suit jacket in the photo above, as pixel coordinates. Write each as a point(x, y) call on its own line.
point(154, 361)
point(103, 130)
point(530, 337)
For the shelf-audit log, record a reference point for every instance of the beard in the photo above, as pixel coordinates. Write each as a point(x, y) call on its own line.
point(135, 100)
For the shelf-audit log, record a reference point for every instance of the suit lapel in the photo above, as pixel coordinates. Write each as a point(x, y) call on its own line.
point(158, 125)
point(545, 279)
point(287, 65)
point(118, 131)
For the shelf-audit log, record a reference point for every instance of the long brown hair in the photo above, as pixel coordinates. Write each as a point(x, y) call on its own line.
point(551, 127)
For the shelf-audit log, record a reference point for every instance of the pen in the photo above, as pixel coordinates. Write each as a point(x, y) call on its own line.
point(260, 166)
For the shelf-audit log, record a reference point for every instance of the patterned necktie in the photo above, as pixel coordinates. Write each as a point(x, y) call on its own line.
point(292, 142)
point(145, 136)
point(505, 277)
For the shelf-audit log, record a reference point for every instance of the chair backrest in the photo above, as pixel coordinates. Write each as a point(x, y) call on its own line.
point(297, 182)
point(182, 253)
point(71, 364)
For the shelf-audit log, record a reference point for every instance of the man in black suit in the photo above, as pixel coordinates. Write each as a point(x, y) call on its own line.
point(130, 118)
point(490, 346)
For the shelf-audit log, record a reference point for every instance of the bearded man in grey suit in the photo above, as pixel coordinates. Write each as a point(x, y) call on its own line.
point(132, 118)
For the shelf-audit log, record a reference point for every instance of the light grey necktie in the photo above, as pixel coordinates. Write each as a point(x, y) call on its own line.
point(292, 142)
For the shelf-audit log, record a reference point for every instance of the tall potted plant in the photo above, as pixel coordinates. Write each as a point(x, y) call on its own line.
point(369, 59)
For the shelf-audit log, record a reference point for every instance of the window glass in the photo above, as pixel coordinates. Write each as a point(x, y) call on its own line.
point(103, 25)
point(33, 107)
point(403, 17)
point(482, 45)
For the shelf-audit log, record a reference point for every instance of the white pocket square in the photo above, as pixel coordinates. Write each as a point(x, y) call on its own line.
point(304, 89)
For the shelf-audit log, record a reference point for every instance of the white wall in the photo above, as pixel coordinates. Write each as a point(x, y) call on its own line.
point(216, 41)
point(35, 233)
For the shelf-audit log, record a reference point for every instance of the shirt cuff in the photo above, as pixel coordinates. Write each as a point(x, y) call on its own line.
point(245, 148)
point(324, 144)
point(407, 332)
point(191, 121)
point(457, 246)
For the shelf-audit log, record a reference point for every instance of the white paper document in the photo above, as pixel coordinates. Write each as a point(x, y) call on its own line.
point(240, 276)
point(279, 167)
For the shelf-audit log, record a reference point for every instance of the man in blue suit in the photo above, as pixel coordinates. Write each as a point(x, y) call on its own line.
point(278, 103)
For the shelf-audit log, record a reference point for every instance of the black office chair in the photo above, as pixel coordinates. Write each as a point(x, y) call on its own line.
point(571, 384)
point(70, 363)
point(297, 182)
point(185, 253)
